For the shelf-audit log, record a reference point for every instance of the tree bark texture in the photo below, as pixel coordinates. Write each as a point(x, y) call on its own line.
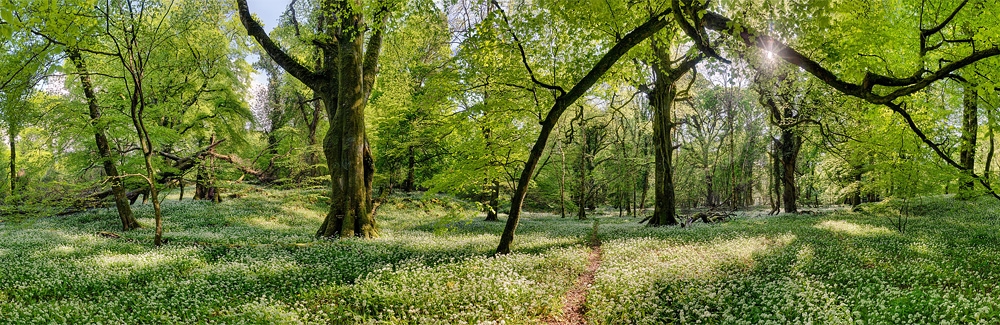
point(665, 203)
point(346, 145)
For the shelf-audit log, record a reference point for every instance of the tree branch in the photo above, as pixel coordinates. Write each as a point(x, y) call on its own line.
point(524, 56)
point(370, 65)
point(926, 33)
point(920, 80)
point(279, 56)
point(697, 35)
point(936, 148)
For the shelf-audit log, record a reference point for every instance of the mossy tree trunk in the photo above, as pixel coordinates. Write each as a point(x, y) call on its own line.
point(661, 98)
point(970, 129)
point(103, 146)
point(789, 154)
point(343, 81)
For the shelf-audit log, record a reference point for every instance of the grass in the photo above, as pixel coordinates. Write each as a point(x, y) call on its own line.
point(254, 260)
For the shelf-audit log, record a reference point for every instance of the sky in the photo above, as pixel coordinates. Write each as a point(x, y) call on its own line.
point(268, 11)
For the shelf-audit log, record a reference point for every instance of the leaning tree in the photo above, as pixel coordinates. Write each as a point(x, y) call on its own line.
point(563, 100)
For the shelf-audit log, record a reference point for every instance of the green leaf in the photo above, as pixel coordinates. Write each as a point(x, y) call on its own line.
point(7, 16)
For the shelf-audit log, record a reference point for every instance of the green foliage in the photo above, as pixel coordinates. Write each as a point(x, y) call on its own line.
point(254, 260)
point(412, 102)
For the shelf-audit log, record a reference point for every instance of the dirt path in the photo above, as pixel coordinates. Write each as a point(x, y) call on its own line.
point(573, 312)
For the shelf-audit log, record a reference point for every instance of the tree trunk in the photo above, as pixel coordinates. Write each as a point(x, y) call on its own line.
point(343, 84)
point(13, 160)
point(200, 190)
point(493, 198)
point(346, 147)
point(205, 188)
point(634, 201)
point(494, 203)
point(970, 128)
point(789, 147)
point(775, 191)
point(153, 193)
point(562, 182)
point(103, 147)
point(581, 208)
point(661, 98)
point(665, 204)
point(211, 177)
point(709, 188)
point(409, 184)
point(856, 197)
point(313, 124)
point(137, 109)
point(989, 156)
point(645, 189)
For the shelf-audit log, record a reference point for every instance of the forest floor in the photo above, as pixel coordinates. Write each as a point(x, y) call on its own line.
point(253, 260)
point(575, 300)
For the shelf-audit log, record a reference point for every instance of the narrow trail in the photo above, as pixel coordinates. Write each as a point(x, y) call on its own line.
point(573, 302)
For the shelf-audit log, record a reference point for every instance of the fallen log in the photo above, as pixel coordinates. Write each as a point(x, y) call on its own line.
point(709, 217)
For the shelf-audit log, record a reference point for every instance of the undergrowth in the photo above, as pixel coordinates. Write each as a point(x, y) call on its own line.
point(253, 259)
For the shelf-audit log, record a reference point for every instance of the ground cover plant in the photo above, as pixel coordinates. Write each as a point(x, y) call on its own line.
point(252, 260)
point(838, 268)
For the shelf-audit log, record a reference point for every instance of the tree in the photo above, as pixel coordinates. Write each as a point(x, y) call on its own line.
point(563, 100)
point(788, 111)
point(343, 82)
point(666, 73)
point(24, 64)
point(103, 146)
point(412, 100)
point(133, 44)
point(151, 57)
point(970, 131)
